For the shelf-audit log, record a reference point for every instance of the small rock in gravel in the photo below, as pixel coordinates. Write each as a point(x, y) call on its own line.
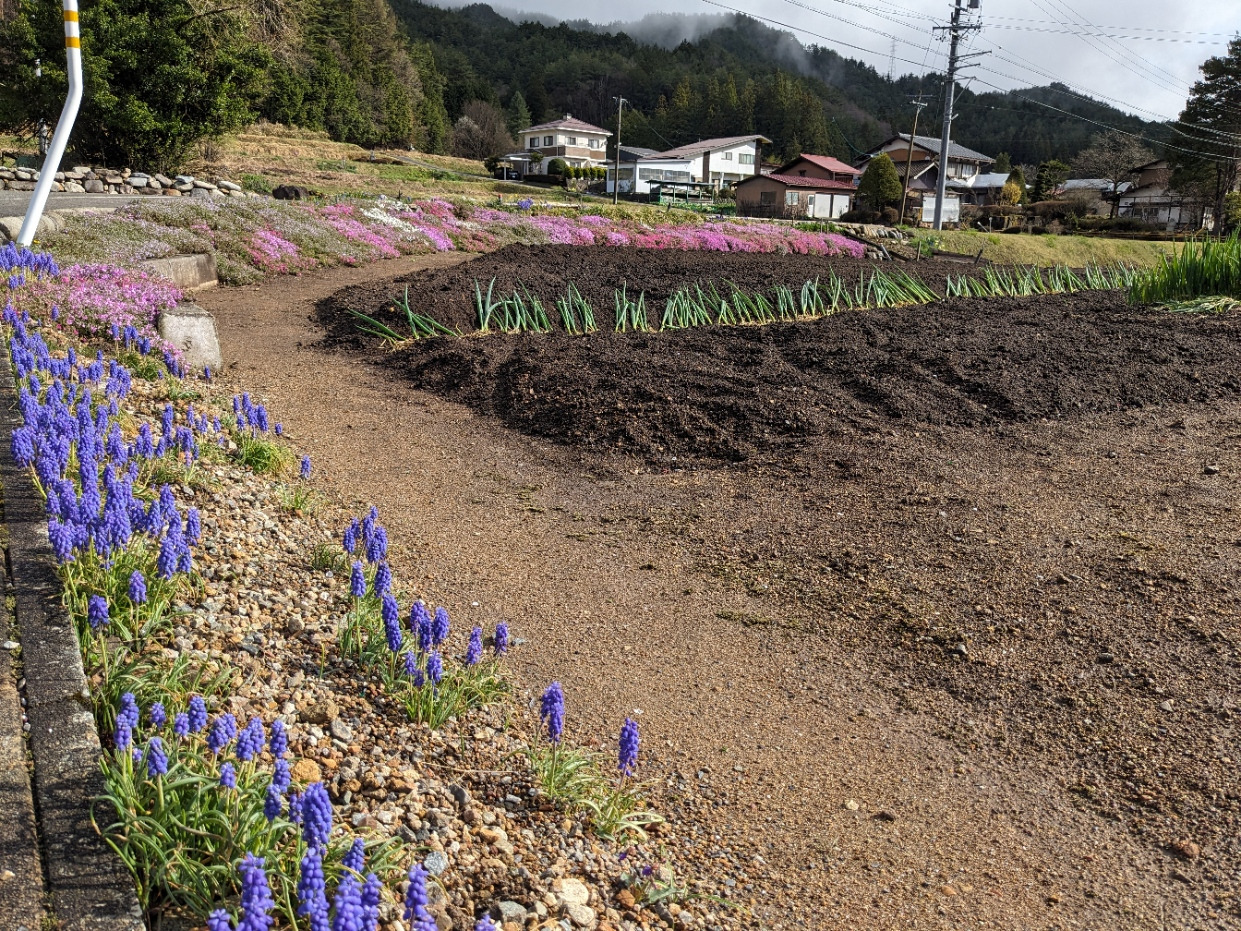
point(1105, 658)
point(321, 712)
point(852, 805)
point(340, 730)
point(1187, 848)
point(306, 771)
point(571, 892)
point(1168, 705)
point(1210, 469)
point(582, 916)
point(509, 911)
point(435, 863)
point(11, 644)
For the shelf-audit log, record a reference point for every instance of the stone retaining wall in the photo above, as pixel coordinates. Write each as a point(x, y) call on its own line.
point(86, 180)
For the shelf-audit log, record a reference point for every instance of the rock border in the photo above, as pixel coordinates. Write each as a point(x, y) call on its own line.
point(88, 887)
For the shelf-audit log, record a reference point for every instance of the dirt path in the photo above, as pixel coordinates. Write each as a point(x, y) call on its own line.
point(833, 793)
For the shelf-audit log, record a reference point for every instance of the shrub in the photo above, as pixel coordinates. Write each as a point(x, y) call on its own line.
point(557, 167)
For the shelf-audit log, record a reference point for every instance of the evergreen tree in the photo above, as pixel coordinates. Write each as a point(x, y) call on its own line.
point(517, 114)
point(881, 185)
point(1213, 110)
point(1017, 177)
point(158, 77)
point(1051, 174)
point(1003, 164)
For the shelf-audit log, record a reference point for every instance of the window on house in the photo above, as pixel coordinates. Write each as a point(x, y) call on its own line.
point(745, 158)
point(573, 140)
point(791, 198)
point(594, 143)
point(767, 198)
point(802, 173)
point(532, 142)
point(726, 156)
point(547, 140)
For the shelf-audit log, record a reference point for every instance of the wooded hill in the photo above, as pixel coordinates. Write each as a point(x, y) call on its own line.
point(401, 72)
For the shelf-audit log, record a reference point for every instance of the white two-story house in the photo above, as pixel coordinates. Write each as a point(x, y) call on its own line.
point(577, 142)
point(720, 162)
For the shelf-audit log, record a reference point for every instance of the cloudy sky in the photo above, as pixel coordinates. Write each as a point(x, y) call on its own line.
point(1141, 55)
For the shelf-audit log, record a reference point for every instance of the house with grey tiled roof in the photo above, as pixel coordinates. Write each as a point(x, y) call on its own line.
point(920, 158)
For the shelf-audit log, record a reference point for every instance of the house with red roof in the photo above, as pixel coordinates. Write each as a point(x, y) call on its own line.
point(808, 187)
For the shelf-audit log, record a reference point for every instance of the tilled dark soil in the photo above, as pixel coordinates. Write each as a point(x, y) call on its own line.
point(756, 393)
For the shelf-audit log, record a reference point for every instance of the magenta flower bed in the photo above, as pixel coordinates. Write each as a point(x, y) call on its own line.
point(95, 300)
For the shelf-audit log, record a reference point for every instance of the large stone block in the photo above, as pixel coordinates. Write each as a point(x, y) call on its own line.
point(192, 330)
point(187, 272)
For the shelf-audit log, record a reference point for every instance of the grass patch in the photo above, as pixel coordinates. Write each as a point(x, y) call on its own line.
point(1046, 250)
point(1205, 268)
point(264, 456)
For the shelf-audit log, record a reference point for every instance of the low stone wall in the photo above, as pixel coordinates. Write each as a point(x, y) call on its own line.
point(86, 180)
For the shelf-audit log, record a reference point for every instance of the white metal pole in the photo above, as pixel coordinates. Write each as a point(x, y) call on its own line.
point(60, 138)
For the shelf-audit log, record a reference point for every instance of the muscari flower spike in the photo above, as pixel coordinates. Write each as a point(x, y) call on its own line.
point(435, 668)
point(273, 803)
point(181, 724)
point(137, 588)
point(157, 715)
point(279, 742)
point(157, 759)
point(347, 912)
point(305, 469)
point(218, 920)
point(551, 711)
point(316, 813)
point(355, 859)
point(250, 743)
point(256, 900)
point(474, 652)
point(357, 581)
point(372, 888)
point(501, 639)
point(128, 711)
point(439, 626)
point(312, 891)
point(97, 612)
point(391, 614)
point(627, 747)
point(228, 776)
point(197, 714)
point(281, 777)
point(486, 924)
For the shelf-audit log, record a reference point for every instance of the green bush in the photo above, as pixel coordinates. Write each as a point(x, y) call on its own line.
point(557, 167)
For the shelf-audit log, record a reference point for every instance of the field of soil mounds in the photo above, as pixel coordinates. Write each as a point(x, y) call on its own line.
point(755, 393)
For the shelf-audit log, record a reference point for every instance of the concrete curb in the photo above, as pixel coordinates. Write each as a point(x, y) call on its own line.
point(188, 272)
point(88, 887)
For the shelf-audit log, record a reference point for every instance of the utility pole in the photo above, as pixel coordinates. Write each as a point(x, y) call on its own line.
point(918, 103)
point(620, 104)
point(955, 30)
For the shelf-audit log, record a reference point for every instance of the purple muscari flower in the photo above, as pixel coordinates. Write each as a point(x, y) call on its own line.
point(128, 711)
point(316, 810)
point(551, 711)
point(371, 890)
point(350, 538)
point(273, 804)
point(627, 752)
point(383, 580)
point(439, 627)
point(281, 778)
point(157, 715)
point(435, 668)
point(228, 776)
point(122, 736)
point(357, 581)
point(169, 554)
point(486, 924)
point(474, 652)
point(157, 759)
point(193, 526)
point(136, 755)
point(97, 612)
point(185, 562)
point(412, 670)
point(181, 724)
point(416, 897)
point(219, 921)
point(223, 730)
point(312, 891)
point(22, 444)
point(137, 588)
point(305, 471)
point(355, 859)
point(62, 539)
point(295, 807)
point(501, 639)
point(279, 429)
point(250, 743)
point(197, 713)
point(279, 743)
point(377, 545)
point(347, 905)
point(391, 613)
point(420, 624)
point(256, 900)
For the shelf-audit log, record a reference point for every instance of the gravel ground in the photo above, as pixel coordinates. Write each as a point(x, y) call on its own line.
point(811, 768)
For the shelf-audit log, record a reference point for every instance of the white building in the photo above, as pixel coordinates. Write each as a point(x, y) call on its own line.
point(640, 168)
point(721, 162)
point(577, 142)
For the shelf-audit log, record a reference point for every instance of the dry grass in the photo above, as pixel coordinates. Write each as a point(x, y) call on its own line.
point(1047, 250)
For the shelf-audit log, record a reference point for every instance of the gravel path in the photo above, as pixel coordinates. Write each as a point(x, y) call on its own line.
point(825, 802)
